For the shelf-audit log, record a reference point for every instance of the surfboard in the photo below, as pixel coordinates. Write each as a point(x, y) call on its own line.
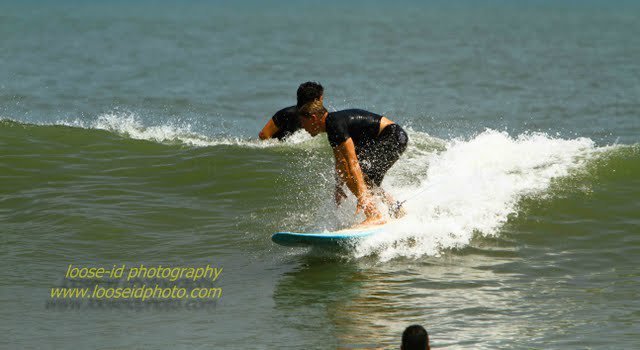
point(335, 238)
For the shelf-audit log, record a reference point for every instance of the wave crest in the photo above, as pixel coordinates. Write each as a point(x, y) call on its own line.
point(472, 187)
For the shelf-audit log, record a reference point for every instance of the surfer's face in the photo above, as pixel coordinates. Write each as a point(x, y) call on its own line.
point(311, 124)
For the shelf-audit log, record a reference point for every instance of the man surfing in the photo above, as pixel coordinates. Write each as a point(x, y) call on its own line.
point(365, 146)
point(285, 122)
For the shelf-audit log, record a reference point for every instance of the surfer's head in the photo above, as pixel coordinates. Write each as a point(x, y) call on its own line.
point(415, 337)
point(309, 92)
point(311, 117)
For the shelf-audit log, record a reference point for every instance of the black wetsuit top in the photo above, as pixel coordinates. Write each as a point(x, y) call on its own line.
point(287, 122)
point(376, 152)
point(359, 125)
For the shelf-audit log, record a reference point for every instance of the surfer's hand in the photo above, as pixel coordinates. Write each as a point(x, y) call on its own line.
point(339, 195)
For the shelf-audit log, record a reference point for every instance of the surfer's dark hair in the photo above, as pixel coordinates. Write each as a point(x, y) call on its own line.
point(309, 91)
point(415, 337)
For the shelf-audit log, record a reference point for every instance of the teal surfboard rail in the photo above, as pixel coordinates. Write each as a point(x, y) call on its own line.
point(300, 239)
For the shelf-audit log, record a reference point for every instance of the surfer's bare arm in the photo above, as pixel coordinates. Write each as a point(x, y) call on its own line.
point(353, 177)
point(268, 131)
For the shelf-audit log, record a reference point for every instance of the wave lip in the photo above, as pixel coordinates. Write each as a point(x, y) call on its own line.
point(472, 187)
point(131, 126)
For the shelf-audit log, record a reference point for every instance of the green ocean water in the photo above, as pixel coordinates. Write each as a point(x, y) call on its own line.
point(129, 136)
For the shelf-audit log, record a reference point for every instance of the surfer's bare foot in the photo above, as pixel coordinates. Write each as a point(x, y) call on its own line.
point(372, 221)
point(372, 214)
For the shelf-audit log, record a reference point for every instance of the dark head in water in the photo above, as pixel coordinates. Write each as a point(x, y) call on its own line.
point(415, 338)
point(308, 92)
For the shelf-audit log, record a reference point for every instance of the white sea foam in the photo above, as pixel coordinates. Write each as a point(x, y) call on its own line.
point(130, 125)
point(471, 187)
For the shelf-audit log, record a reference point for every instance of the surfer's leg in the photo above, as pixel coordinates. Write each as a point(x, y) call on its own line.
point(386, 151)
point(394, 207)
point(377, 157)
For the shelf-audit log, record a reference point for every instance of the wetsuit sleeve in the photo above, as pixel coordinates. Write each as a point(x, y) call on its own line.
point(337, 131)
point(282, 118)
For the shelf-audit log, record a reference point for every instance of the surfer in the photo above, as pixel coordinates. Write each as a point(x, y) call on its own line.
point(285, 122)
point(365, 146)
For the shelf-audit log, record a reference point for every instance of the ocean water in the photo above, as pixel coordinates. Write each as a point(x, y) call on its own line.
point(128, 135)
